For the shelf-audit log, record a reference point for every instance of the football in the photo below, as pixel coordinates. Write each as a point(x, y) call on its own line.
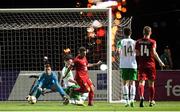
point(103, 67)
point(32, 100)
point(45, 58)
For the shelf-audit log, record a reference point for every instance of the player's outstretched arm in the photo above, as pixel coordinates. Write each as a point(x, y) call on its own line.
point(95, 64)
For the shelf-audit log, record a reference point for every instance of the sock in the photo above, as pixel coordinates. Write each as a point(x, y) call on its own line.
point(132, 92)
point(91, 96)
point(141, 91)
point(152, 93)
point(126, 93)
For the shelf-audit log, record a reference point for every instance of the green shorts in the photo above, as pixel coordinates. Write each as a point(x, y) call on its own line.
point(75, 95)
point(129, 73)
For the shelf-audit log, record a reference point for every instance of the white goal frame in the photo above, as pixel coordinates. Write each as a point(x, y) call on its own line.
point(109, 47)
point(114, 90)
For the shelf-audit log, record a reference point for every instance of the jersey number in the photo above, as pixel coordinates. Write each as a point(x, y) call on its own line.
point(128, 51)
point(144, 50)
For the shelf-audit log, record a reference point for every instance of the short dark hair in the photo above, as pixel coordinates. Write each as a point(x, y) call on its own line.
point(146, 30)
point(47, 65)
point(82, 49)
point(67, 57)
point(127, 31)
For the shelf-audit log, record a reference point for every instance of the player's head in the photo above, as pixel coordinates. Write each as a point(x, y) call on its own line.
point(68, 59)
point(127, 31)
point(82, 51)
point(48, 69)
point(147, 31)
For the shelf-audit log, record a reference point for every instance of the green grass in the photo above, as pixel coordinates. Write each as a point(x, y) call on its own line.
point(98, 106)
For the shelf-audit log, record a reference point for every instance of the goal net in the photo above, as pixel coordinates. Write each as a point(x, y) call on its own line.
point(27, 35)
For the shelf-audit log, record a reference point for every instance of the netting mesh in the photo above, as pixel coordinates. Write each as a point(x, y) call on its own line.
point(26, 20)
point(26, 36)
point(117, 95)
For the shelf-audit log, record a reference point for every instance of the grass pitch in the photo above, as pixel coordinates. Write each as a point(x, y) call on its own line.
point(20, 106)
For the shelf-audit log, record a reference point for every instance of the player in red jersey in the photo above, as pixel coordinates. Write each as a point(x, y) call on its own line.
point(146, 55)
point(81, 65)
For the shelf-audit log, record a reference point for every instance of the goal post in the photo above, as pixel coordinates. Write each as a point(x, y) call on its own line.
point(27, 35)
point(109, 59)
point(115, 79)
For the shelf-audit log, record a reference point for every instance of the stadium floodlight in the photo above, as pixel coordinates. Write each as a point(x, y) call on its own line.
point(28, 36)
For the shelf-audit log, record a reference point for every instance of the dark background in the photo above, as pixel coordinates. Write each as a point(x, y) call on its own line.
point(162, 15)
point(164, 18)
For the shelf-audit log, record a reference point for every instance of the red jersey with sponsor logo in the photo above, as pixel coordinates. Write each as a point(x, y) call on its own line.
point(145, 47)
point(81, 67)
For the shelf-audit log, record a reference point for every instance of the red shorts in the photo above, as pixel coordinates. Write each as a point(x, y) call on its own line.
point(85, 83)
point(147, 74)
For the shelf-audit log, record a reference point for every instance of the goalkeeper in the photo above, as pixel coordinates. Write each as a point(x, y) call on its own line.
point(48, 80)
point(69, 83)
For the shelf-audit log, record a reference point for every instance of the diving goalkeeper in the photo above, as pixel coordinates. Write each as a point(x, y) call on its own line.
point(48, 79)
